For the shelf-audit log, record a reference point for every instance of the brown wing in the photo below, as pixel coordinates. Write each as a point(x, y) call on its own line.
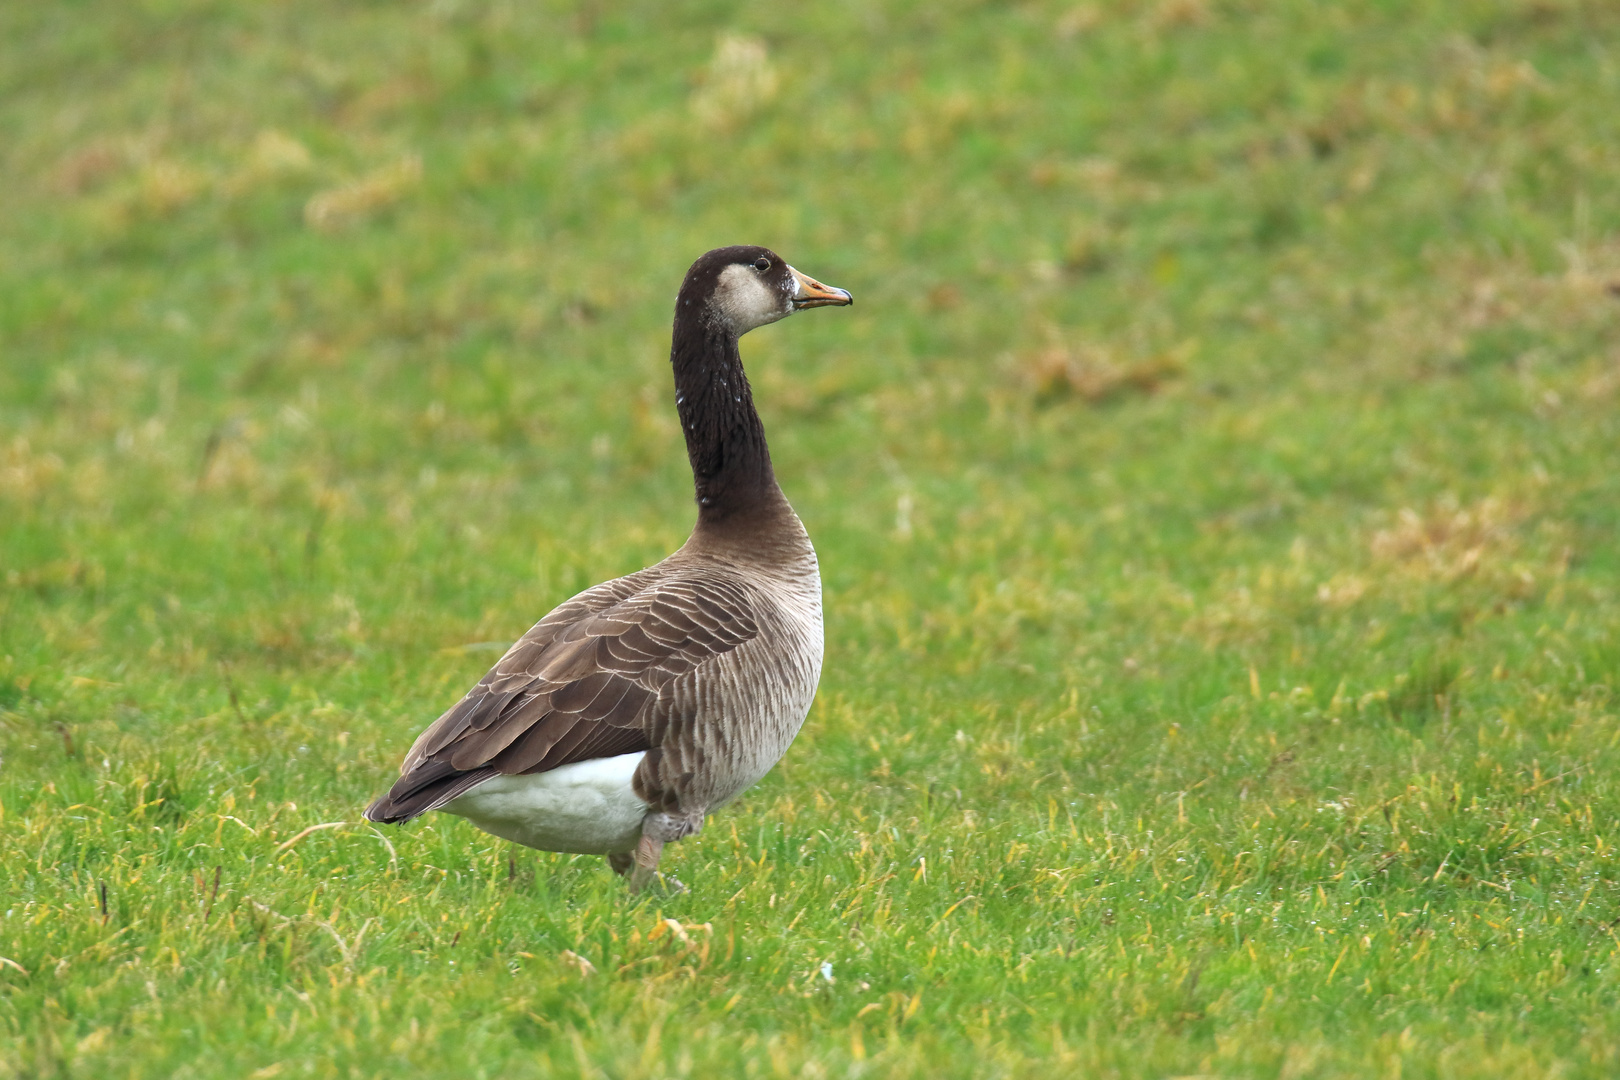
point(579, 685)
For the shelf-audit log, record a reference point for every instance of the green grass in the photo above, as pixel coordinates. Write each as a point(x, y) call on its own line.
point(1217, 485)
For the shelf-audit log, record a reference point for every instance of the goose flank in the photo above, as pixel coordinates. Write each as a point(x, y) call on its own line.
point(643, 704)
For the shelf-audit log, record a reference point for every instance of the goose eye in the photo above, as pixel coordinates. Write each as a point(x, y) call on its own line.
point(762, 264)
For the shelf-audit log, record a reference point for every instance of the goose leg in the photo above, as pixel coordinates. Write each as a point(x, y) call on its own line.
point(648, 852)
point(621, 861)
point(656, 831)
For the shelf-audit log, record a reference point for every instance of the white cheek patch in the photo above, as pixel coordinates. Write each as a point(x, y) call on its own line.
point(745, 301)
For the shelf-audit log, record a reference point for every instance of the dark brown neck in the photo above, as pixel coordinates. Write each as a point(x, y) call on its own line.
point(725, 441)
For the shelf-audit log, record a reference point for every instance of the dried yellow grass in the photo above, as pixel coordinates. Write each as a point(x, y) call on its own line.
point(359, 199)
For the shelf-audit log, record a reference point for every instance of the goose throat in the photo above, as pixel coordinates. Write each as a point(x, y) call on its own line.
point(725, 440)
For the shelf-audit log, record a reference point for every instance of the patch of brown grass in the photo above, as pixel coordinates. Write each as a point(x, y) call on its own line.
point(1448, 542)
point(1093, 375)
point(1488, 545)
point(1175, 14)
point(740, 79)
point(335, 208)
point(1476, 298)
point(89, 167)
point(25, 473)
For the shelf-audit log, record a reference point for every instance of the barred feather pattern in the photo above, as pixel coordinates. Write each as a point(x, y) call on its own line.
point(707, 661)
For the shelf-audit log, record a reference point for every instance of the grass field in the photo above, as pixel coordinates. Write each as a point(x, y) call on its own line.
point(1217, 487)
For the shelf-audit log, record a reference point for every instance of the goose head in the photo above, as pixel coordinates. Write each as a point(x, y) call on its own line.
point(741, 288)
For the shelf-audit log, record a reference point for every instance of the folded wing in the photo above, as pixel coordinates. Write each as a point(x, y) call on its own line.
point(581, 684)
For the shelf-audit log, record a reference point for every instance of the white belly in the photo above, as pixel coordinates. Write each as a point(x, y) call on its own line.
point(587, 807)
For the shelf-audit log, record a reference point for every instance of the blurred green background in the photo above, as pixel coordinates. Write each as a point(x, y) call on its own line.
point(1216, 485)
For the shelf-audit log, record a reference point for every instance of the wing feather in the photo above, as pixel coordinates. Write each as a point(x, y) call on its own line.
point(583, 683)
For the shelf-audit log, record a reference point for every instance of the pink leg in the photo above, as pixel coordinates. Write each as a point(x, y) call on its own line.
point(648, 852)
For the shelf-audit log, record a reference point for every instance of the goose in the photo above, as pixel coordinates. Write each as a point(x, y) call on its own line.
point(633, 710)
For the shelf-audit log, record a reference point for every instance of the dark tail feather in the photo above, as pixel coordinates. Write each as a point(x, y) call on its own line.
point(427, 787)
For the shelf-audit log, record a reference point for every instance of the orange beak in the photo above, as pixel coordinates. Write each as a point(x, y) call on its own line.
point(809, 293)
